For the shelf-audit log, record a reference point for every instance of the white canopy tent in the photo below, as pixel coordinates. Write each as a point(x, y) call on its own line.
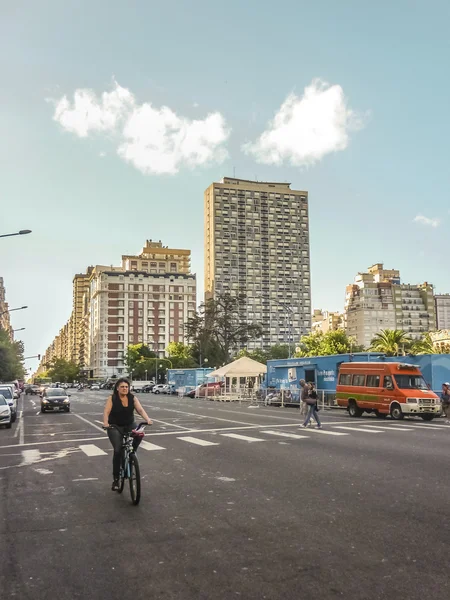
point(243, 370)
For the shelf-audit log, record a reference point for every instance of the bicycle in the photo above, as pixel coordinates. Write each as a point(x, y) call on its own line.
point(129, 466)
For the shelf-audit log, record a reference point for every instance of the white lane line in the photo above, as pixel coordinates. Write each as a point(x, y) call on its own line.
point(18, 428)
point(91, 450)
point(294, 436)
point(86, 479)
point(245, 438)
point(88, 422)
point(356, 429)
point(22, 431)
point(148, 446)
point(197, 441)
point(172, 424)
point(30, 456)
point(391, 428)
point(325, 432)
point(429, 425)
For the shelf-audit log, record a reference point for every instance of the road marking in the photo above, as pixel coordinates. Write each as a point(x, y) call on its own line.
point(193, 440)
point(86, 479)
point(435, 426)
point(30, 456)
point(245, 438)
point(22, 432)
point(149, 446)
point(391, 427)
point(288, 435)
point(88, 422)
point(172, 424)
point(356, 429)
point(43, 471)
point(91, 450)
point(327, 432)
point(18, 428)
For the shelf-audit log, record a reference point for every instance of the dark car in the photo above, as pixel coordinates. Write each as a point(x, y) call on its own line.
point(55, 399)
point(32, 390)
point(147, 388)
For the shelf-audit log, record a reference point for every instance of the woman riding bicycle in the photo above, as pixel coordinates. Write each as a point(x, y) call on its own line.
point(119, 411)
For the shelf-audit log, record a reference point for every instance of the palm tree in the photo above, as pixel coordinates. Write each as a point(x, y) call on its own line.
point(392, 342)
point(427, 346)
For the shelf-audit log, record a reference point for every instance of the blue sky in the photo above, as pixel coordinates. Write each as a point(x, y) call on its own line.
point(224, 71)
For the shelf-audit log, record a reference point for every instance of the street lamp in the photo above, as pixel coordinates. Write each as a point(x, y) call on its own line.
point(21, 232)
point(11, 309)
point(289, 313)
point(21, 329)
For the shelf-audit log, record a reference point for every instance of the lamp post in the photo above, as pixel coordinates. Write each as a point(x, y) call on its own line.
point(21, 232)
point(146, 375)
point(11, 309)
point(21, 329)
point(289, 312)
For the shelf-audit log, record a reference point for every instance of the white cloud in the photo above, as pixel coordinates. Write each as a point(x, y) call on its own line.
point(154, 140)
point(88, 114)
point(307, 128)
point(434, 222)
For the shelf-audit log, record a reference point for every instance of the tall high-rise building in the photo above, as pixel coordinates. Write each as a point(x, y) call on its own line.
point(378, 300)
point(257, 243)
point(442, 311)
point(80, 289)
point(5, 322)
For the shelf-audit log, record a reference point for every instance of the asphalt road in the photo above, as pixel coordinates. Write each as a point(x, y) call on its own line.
point(237, 502)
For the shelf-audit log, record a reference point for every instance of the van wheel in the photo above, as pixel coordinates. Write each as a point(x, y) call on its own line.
point(427, 417)
point(354, 410)
point(396, 412)
point(380, 415)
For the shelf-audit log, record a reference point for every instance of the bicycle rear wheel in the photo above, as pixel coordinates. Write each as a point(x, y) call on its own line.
point(135, 479)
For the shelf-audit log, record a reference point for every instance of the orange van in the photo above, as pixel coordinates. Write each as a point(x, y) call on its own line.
point(385, 388)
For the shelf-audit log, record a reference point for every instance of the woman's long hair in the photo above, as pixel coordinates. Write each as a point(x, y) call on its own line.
point(115, 394)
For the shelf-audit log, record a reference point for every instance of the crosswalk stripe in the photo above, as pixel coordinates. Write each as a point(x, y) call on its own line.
point(288, 435)
point(91, 450)
point(245, 438)
point(391, 427)
point(148, 446)
point(197, 441)
point(430, 425)
point(356, 429)
point(30, 456)
point(326, 432)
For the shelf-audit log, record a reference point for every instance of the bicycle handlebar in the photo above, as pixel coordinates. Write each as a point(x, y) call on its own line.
point(138, 427)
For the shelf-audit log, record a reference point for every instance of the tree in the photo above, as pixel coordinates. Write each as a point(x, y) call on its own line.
point(278, 352)
point(134, 357)
point(392, 342)
point(258, 354)
point(180, 355)
point(426, 345)
point(11, 358)
point(325, 344)
point(218, 328)
point(60, 369)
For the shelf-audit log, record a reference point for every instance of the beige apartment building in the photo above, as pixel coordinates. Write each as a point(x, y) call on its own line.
point(325, 321)
point(378, 300)
point(257, 243)
point(145, 300)
point(5, 322)
point(442, 311)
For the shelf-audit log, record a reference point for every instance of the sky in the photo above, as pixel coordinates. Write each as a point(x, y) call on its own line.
point(116, 116)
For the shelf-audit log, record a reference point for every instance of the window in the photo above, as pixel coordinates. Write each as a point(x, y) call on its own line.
point(387, 383)
point(358, 379)
point(373, 381)
point(345, 379)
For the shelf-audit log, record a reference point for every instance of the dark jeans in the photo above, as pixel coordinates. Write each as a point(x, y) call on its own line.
point(116, 437)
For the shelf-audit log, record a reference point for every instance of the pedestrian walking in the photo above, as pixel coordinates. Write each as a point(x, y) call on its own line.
point(304, 391)
point(445, 398)
point(313, 409)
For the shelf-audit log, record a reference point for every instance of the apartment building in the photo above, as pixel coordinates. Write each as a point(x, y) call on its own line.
point(325, 321)
point(442, 311)
point(80, 293)
point(5, 322)
point(378, 300)
point(257, 243)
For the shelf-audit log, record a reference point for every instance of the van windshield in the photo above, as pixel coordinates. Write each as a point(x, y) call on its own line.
point(410, 382)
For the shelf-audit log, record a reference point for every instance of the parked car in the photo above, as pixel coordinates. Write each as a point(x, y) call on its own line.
point(32, 390)
point(95, 386)
point(148, 388)
point(5, 413)
point(206, 389)
point(7, 393)
point(55, 399)
point(159, 388)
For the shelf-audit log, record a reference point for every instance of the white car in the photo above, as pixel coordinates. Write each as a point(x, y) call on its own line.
point(95, 387)
point(159, 388)
point(5, 413)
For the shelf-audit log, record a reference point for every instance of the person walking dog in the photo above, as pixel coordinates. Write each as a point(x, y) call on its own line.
point(313, 409)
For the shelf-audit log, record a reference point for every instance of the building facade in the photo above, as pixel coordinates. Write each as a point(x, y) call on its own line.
point(257, 244)
point(5, 322)
point(442, 311)
point(325, 321)
point(378, 300)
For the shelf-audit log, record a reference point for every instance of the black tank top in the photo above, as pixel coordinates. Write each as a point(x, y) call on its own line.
point(121, 415)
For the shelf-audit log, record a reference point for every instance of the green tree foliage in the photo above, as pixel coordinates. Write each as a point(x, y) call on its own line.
point(60, 369)
point(135, 356)
point(325, 344)
point(11, 358)
point(427, 346)
point(218, 329)
point(275, 352)
point(392, 342)
point(180, 355)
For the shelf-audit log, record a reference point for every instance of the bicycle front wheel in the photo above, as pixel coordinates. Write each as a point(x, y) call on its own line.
point(135, 479)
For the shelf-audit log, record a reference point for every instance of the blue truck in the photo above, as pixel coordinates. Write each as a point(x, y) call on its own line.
point(188, 379)
point(323, 370)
